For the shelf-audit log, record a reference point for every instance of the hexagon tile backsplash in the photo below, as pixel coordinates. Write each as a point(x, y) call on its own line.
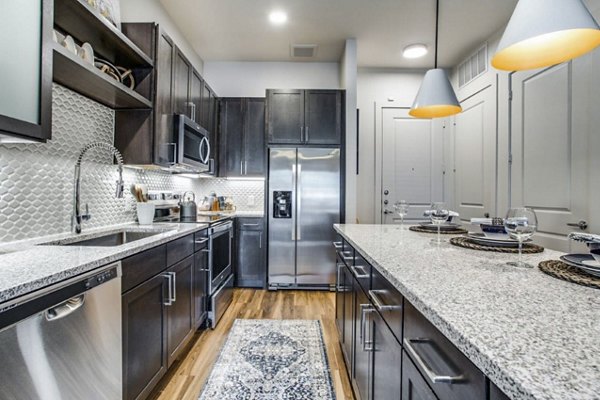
point(36, 180)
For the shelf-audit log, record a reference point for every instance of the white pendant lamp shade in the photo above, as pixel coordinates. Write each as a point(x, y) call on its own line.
point(542, 33)
point(436, 97)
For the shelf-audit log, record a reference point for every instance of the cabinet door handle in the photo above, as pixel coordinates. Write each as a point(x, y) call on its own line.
point(337, 245)
point(169, 279)
point(301, 134)
point(249, 224)
point(359, 275)
point(364, 310)
point(201, 241)
point(431, 375)
point(260, 240)
point(245, 167)
point(241, 168)
point(381, 306)
point(338, 286)
point(306, 137)
point(174, 283)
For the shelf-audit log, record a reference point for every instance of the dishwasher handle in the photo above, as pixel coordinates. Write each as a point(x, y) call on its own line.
point(64, 309)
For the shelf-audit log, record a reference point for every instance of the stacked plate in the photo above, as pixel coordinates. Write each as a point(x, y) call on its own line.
point(583, 262)
point(496, 241)
point(446, 226)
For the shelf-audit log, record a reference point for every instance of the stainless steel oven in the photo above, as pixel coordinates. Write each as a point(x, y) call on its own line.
point(220, 283)
point(192, 149)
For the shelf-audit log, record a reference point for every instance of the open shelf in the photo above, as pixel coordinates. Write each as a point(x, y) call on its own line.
point(85, 24)
point(71, 71)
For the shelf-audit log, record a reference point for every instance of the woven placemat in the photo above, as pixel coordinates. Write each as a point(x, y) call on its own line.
point(458, 231)
point(528, 248)
point(560, 270)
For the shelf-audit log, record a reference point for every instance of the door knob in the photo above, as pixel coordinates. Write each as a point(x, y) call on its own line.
point(387, 212)
point(386, 192)
point(583, 225)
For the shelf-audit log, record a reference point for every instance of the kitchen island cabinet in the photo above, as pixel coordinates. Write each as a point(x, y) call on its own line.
point(250, 263)
point(468, 321)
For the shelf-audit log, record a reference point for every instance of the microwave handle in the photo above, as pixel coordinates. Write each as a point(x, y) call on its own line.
point(204, 158)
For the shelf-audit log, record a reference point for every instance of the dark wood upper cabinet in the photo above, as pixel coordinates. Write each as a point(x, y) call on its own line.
point(181, 85)
point(323, 116)
point(26, 81)
point(305, 116)
point(242, 137)
point(285, 116)
point(147, 137)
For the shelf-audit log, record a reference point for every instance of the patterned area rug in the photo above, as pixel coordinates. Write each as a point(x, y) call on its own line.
point(269, 360)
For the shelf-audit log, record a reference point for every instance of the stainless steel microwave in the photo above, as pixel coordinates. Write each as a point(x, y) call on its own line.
point(192, 149)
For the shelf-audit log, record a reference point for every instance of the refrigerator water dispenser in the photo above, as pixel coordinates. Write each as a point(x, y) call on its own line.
point(282, 204)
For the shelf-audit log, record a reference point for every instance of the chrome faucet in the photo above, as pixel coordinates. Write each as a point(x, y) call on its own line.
point(78, 217)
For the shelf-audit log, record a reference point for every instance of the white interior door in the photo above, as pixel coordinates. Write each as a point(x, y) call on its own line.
point(475, 156)
point(550, 147)
point(412, 168)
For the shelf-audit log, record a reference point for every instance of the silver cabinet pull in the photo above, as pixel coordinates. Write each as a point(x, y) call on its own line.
point(301, 134)
point(381, 306)
point(245, 167)
point(241, 168)
point(169, 279)
point(359, 275)
point(201, 241)
point(348, 255)
point(174, 275)
point(583, 225)
point(306, 138)
point(337, 245)
point(250, 224)
point(339, 287)
point(64, 309)
point(260, 240)
point(365, 309)
point(431, 375)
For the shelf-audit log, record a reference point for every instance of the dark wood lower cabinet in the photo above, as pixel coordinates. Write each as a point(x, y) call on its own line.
point(200, 287)
point(340, 286)
point(349, 300)
point(496, 393)
point(362, 343)
point(144, 336)
point(180, 321)
point(414, 386)
point(386, 361)
point(250, 264)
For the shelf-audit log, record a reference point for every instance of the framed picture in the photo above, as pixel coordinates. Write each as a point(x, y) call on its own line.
point(109, 9)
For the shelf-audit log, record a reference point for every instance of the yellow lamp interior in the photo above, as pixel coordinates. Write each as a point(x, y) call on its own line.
point(546, 50)
point(437, 111)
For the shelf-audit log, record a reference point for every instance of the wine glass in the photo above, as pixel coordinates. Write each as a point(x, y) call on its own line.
point(439, 214)
point(401, 208)
point(521, 224)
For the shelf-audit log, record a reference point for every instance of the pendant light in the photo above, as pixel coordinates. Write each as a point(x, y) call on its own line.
point(542, 33)
point(436, 97)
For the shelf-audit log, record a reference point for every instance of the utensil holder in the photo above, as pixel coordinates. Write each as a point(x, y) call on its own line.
point(145, 213)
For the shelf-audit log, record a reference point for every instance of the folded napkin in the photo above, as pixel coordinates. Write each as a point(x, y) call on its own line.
point(479, 221)
point(427, 213)
point(584, 237)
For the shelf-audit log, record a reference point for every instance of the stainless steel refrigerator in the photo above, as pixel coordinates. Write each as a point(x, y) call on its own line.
point(304, 203)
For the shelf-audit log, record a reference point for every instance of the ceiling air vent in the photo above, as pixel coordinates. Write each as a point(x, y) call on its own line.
point(473, 67)
point(304, 50)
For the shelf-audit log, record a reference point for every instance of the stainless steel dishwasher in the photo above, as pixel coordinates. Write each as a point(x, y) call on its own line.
point(64, 342)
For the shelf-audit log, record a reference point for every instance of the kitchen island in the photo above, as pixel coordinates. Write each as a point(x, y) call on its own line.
point(534, 336)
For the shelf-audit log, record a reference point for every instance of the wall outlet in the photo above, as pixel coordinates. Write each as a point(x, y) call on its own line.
point(250, 201)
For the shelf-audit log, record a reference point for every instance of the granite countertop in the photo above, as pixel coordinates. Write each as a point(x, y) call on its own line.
point(534, 336)
point(26, 266)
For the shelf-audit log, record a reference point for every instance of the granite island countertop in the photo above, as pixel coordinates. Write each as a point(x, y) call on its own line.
point(27, 265)
point(534, 336)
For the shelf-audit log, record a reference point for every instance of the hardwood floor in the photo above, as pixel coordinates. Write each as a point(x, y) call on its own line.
point(188, 375)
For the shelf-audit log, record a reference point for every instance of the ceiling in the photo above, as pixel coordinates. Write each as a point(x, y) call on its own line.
point(239, 30)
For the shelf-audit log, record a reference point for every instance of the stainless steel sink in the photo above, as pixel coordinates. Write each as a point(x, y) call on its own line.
point(108, 240)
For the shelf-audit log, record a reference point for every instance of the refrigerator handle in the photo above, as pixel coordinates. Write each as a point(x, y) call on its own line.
point(293, 200)
point(299, 202)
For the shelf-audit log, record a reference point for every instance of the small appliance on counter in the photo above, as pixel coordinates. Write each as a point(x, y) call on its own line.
point(188, 210)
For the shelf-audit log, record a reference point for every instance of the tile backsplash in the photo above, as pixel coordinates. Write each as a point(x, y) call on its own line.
point(36, 180)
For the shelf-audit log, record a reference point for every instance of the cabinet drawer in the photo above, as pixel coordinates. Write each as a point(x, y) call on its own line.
point(448, 371)
point(143, 266)
point(200, 240)
point(413, 384)
point(179, 249)
point(250, 224)
point(361, 271)
point(344, 251)
point(388, 301)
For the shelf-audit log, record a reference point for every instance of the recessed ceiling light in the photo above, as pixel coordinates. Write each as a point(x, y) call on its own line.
point(414, 51)
point(278, 17)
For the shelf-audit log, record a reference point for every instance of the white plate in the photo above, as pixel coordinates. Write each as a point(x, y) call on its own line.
point(480, 238)
point(447, 226)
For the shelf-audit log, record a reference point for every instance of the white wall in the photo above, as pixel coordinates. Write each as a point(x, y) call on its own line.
point(153, 11)
point(377, 85)
point(348, 78)
point(251, 79)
